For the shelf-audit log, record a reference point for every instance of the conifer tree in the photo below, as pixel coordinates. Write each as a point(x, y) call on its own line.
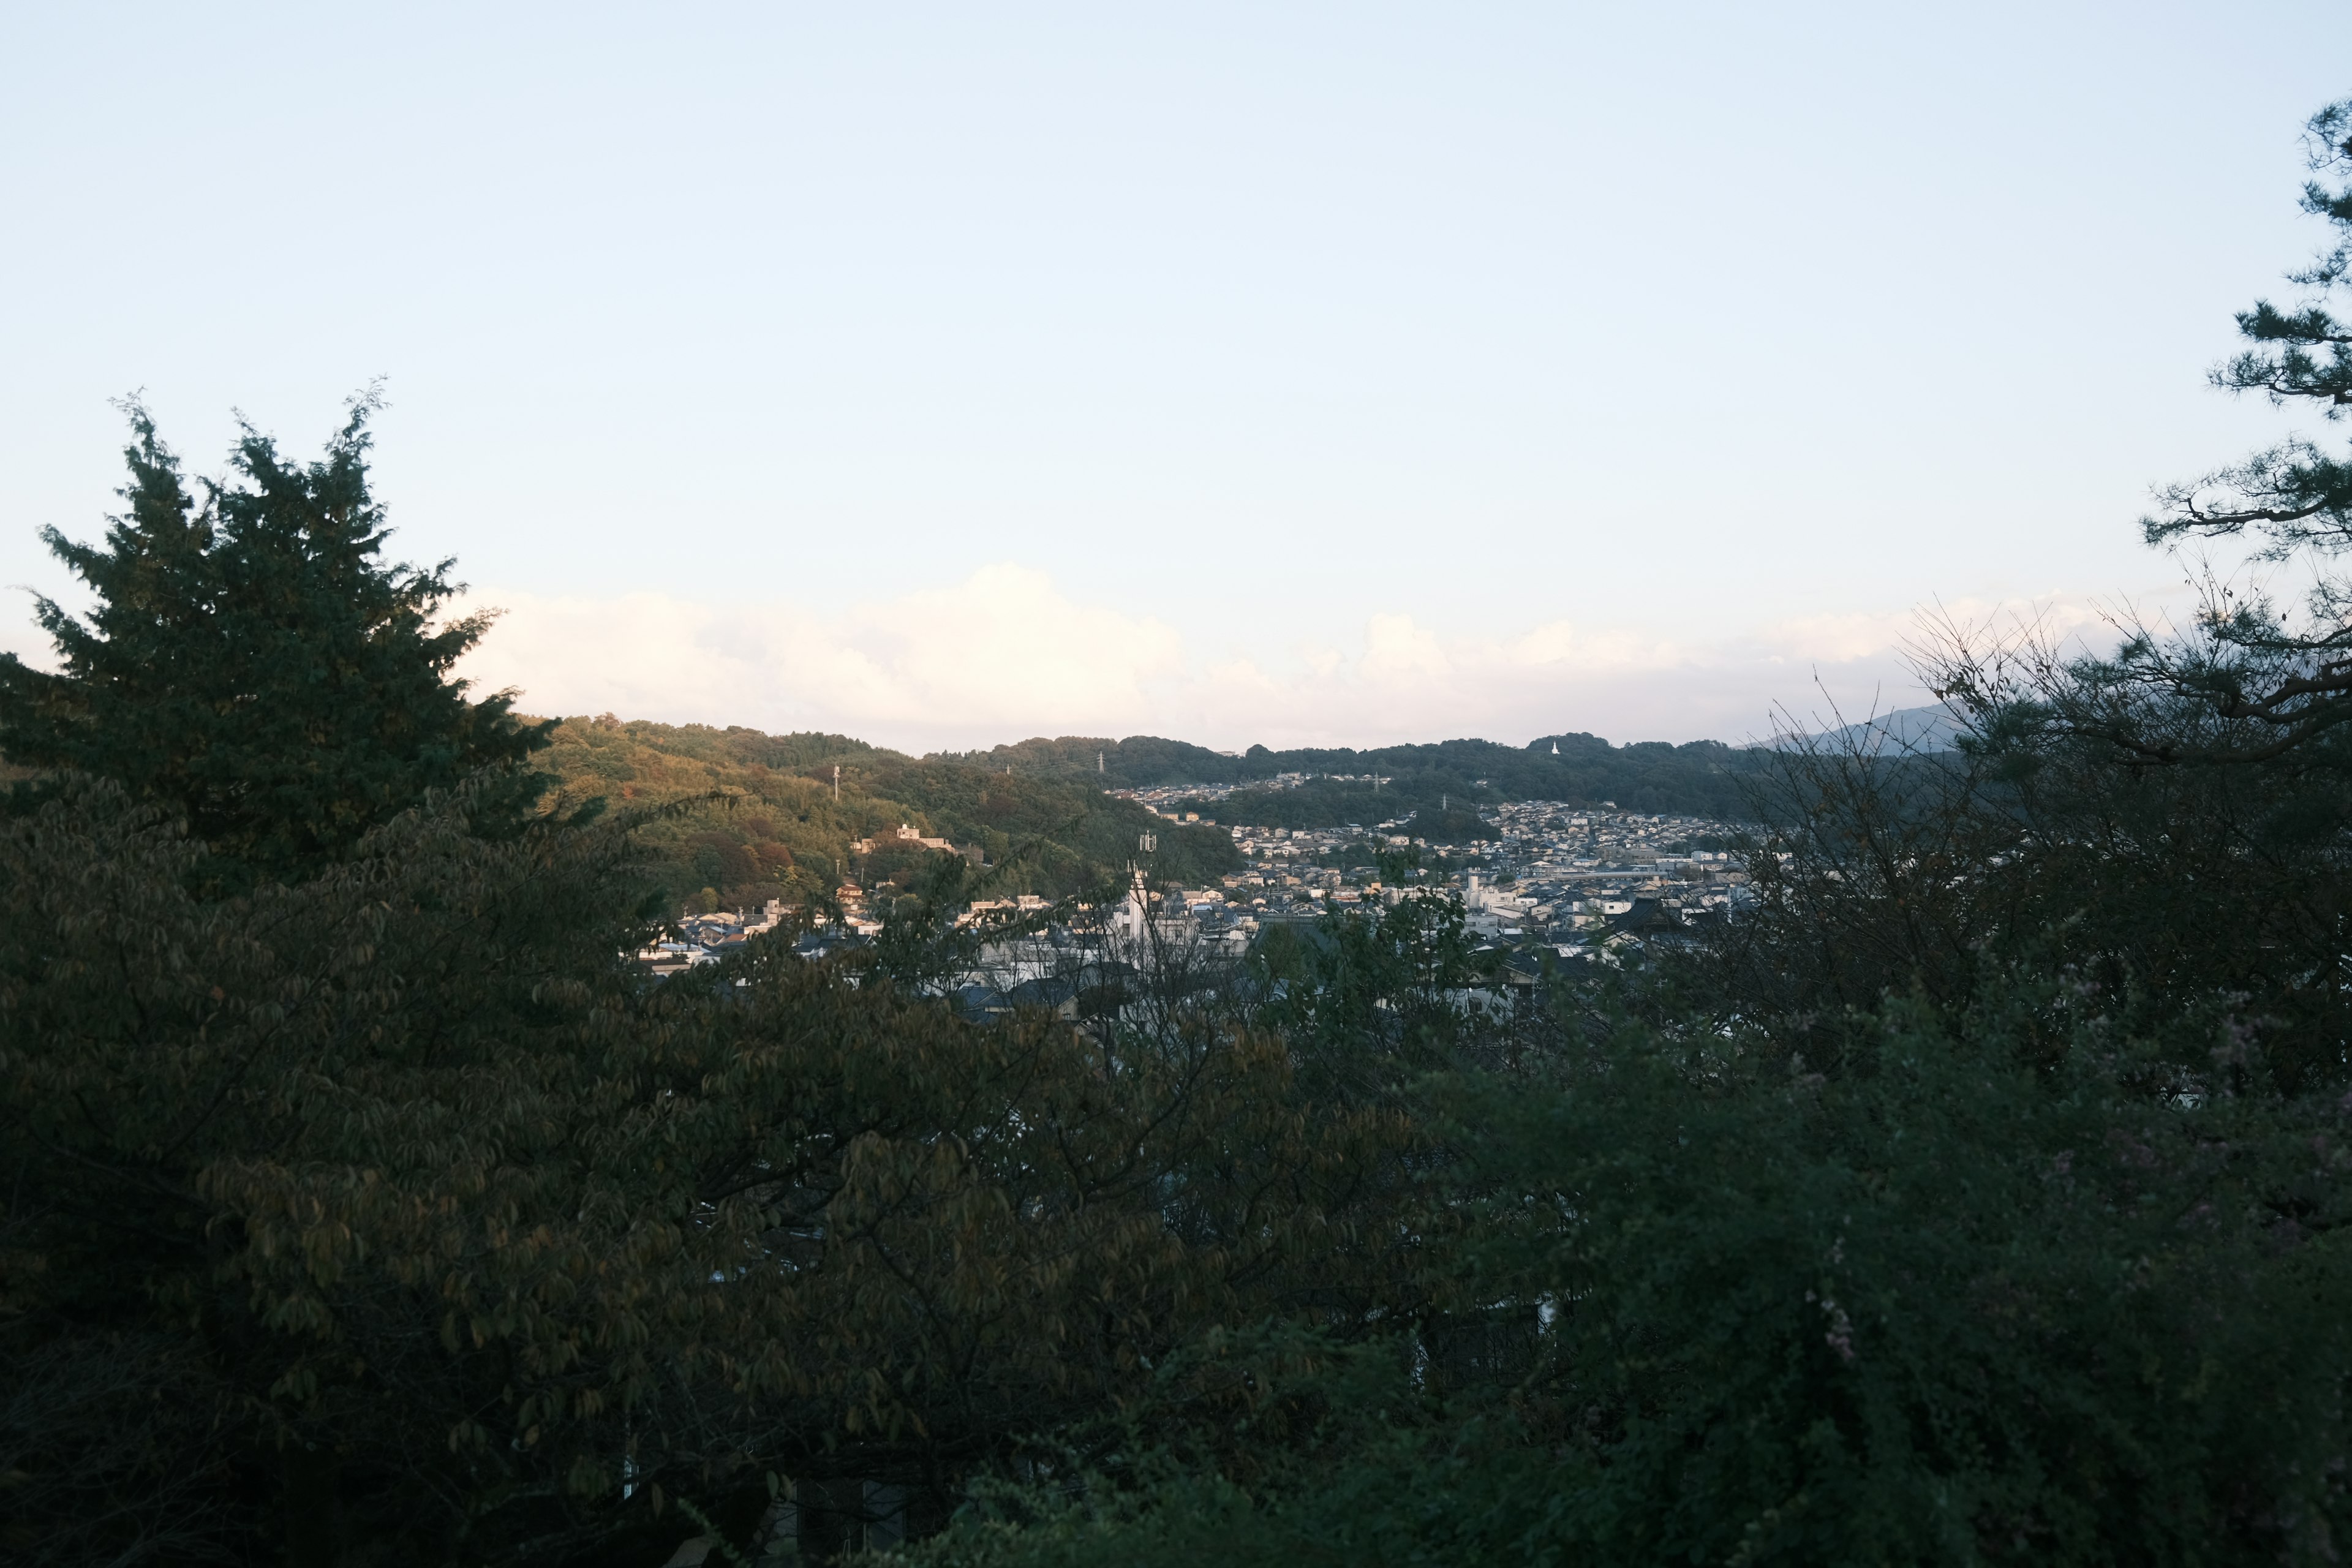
point(2261, 680)
point(253, 665)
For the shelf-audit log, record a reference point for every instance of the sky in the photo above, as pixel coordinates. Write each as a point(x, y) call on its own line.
point(1289, 373)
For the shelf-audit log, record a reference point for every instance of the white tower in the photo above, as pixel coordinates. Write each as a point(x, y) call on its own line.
point(1134, 913)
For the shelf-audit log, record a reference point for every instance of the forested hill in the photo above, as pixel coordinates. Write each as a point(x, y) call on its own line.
point(781, 833)
point(1702, 778)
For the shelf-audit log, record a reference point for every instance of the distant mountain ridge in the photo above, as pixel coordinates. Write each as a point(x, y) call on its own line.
point(1930, 727)
point(1331, 786)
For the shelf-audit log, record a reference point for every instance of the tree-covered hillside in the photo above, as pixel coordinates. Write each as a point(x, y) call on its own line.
point(1702, 778)
point(776, 828)
point(1139, 761)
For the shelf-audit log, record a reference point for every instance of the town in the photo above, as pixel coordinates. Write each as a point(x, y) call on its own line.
point(1553, 873)
point(1554, 879)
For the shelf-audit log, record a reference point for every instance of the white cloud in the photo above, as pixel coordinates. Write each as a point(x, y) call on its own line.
point(1004, 653)
point(1002, 650)
point(1397, 652)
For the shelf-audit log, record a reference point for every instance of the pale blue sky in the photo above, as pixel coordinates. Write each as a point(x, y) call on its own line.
point(728, 343)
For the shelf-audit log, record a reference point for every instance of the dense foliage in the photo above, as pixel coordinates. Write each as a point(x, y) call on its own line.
point(1954, 1303)
point(447, 1227)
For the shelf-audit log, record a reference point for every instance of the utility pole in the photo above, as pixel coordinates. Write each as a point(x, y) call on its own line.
point(1099, 762)
point(836, 783)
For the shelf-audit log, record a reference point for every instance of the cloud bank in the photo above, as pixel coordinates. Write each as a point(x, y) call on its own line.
point(1004, 653)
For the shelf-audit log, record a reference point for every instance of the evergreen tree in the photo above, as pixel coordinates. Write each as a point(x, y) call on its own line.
point(2293, 497)
point(253, 665)
point(2264, 681)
